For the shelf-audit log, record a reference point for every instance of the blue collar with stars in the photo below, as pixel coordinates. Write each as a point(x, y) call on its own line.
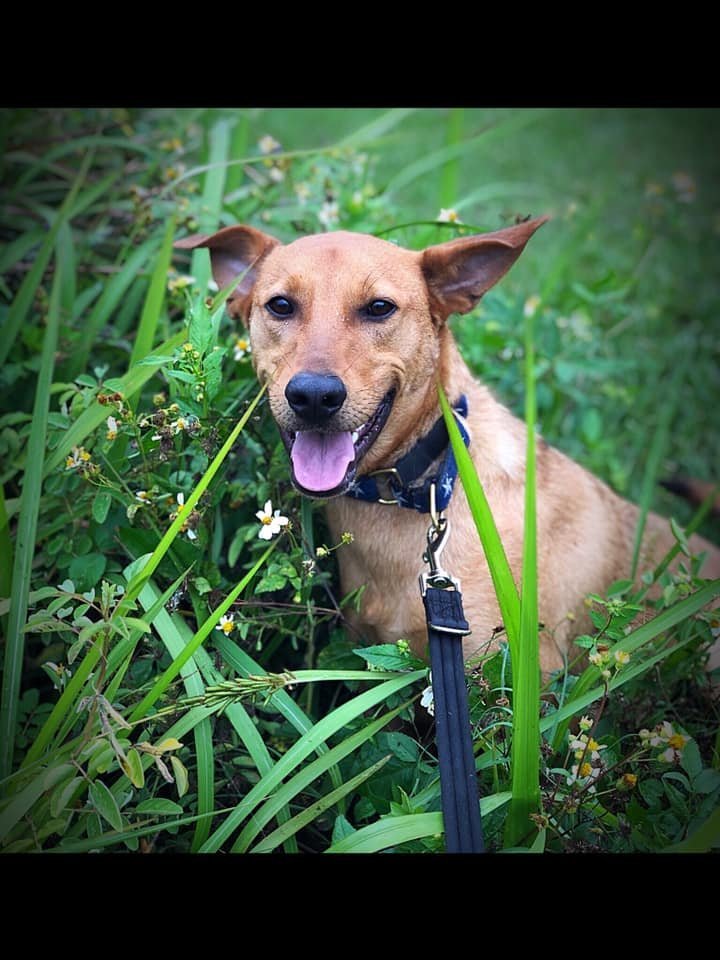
point(400, 479)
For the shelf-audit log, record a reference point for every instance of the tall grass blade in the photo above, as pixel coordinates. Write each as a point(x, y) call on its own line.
point(309, 773)
point(27, 528)
point(371, 132)
point(423, 166)
point(212, 199)
point(164, 681)
point(525, 759)
point(300, 820)
point(152, 307)
point(500, 572)
point(23, 300)
point(391, 831)
point(6, 549)
point(307, 744)
point(113, 291)
point(658, 447)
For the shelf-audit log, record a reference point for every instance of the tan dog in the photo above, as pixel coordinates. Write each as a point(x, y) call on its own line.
point(350, 334)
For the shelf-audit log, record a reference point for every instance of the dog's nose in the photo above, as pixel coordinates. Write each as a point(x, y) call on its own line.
point(315, 397)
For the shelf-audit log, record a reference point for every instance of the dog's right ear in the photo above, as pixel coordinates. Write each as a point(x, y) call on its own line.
point(234, 252)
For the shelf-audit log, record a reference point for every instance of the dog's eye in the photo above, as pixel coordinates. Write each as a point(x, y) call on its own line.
point(280, 307)
point(379, 309)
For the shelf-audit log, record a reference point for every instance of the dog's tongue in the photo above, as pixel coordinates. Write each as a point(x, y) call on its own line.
point(321, 460)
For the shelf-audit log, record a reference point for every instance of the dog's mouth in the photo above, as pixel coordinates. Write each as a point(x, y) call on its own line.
point(325, 464)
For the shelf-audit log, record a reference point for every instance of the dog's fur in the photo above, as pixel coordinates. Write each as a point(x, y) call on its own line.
point(585, 531)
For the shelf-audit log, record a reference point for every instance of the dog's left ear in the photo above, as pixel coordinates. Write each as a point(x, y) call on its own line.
point(234, 252)
point(460, 271)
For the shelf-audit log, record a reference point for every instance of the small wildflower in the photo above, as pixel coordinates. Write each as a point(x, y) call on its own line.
point(158, 399)
point(347, 538)
point(448, 216)
point(174, 144)
point(584, 777)
point(428, 700)
point(302, 192)
point(605, 674)
point(596, 659)
point(308, 567)
point(276, 174)
point(227, 624)
point(270, 523)
point(112, 426)
point(329, 214)
point(685, 187)
point(179, 283)
point(622, 657)
point(179, 425)
point(143, 496)
point(241, 349)
point(586, 723)
point(78, 458)
point(321, 552)
point(268, 144)
point(531, 305)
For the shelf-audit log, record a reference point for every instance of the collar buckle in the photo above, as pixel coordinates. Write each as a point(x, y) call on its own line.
point(394, 475)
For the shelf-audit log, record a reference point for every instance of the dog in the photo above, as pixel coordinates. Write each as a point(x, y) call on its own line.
point(350, 334)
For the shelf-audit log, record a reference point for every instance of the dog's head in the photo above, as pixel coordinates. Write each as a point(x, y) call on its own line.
point(346, 330)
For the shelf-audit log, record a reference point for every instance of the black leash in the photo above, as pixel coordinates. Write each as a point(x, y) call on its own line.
point(446, 628)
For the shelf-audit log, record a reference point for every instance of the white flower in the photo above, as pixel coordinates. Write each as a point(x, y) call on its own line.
point(227, 624)
point(179, 282)
point(241, 349)
point(586, 775)
point(448, 216)
point(270, 523)
point(622, 657)
point(143, 496)
point(586, 723)
point(180, 424)
point(268, 144)
point(79, 457)
point(329, 214)
point(531, 305)
point(428, 700)
point(112, 428)
point(276, 174)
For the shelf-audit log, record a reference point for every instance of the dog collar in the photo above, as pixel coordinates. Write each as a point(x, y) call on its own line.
point(400, 478)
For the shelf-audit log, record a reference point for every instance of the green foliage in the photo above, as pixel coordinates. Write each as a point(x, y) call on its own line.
point(171, 682)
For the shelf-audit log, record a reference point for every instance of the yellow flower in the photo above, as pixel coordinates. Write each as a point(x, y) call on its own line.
point(241, 348)
point(227, 624)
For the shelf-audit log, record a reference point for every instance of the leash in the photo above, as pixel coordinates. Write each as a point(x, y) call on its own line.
point(447, 626)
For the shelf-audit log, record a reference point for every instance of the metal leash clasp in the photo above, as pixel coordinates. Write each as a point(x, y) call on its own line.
point(437, 536)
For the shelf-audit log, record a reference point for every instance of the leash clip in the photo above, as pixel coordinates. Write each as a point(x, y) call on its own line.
point(437, 536)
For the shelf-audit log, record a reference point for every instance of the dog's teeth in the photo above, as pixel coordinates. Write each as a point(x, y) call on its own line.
point(355, 436)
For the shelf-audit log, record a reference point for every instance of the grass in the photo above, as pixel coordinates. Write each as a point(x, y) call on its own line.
point(113, 610)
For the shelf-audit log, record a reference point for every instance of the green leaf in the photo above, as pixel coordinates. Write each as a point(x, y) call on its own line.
point(133, 769)
point(387, 656)
point(150, 317)
point(707, 780)
point(181, 776)
point(86, 571)
point(619, 588)
point(105, 804)
point(63, 794)
point(101, 506)
point(27, 524)
point(160, 807)
point(342, 828)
